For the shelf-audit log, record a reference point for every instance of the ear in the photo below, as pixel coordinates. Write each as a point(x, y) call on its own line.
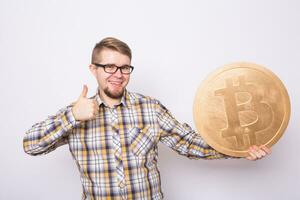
point(93, 69)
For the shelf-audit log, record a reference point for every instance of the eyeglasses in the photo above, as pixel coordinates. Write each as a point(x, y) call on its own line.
point(111, 68)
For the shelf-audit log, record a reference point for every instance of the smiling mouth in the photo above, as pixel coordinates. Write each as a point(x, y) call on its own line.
point(116, 83)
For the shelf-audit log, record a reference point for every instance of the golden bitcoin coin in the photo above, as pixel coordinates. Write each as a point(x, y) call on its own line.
point(240, 105)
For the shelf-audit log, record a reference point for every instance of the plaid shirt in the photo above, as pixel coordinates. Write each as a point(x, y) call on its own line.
point(116, 153)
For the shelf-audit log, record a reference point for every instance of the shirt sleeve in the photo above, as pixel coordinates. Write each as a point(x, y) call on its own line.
point(181, 137)
point(47, 135)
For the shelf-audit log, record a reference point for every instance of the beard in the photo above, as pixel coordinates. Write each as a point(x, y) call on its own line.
point(114, 95)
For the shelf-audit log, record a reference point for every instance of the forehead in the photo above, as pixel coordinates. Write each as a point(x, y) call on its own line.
point(108, 56)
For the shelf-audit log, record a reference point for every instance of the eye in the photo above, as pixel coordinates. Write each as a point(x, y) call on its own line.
point(110, 68)
point(126, 67)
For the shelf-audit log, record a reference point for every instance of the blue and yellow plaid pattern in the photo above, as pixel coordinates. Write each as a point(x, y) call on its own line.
point(116, 153)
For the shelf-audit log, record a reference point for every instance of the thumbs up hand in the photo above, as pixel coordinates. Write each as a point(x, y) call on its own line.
point(84, 108)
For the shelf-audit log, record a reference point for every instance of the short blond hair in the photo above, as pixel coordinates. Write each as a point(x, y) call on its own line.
point(113, 44)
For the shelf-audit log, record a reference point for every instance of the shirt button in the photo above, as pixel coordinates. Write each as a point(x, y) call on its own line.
point(122, 184)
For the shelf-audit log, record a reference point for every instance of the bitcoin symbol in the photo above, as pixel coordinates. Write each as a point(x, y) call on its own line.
point(244, 134)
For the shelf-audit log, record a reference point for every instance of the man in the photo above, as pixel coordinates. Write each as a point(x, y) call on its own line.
point(113, 136)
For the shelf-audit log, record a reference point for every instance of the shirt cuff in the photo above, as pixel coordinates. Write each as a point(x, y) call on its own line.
point(68, 119)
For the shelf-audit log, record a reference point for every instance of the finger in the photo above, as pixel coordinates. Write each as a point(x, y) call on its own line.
point(260, 151)
point(91, 115)
point(84, 91)
point(92, 110)
point(252, 155)
point(250, 158)
point(95, 112)
point(263, 150)
point(95, 108)
point(257, 151)
point(96, 105)
point(266, 149)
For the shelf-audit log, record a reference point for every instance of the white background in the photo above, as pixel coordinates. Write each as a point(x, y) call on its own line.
point(45, 49)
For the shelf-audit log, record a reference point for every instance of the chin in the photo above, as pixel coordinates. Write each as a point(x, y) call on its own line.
point(114, 94)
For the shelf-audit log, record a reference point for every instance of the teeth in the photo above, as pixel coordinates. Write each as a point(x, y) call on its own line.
point(117, 83)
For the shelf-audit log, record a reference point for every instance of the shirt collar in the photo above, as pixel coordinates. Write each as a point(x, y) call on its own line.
point(125, 100)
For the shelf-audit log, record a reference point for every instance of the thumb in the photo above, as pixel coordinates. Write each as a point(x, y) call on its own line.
point(84, 91)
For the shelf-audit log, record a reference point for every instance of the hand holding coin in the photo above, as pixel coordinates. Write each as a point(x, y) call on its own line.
point(256, 152)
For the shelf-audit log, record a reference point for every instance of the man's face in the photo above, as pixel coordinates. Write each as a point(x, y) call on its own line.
point(111, 85)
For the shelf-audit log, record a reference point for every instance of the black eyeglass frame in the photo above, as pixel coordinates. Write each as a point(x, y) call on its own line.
point(117, 67)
